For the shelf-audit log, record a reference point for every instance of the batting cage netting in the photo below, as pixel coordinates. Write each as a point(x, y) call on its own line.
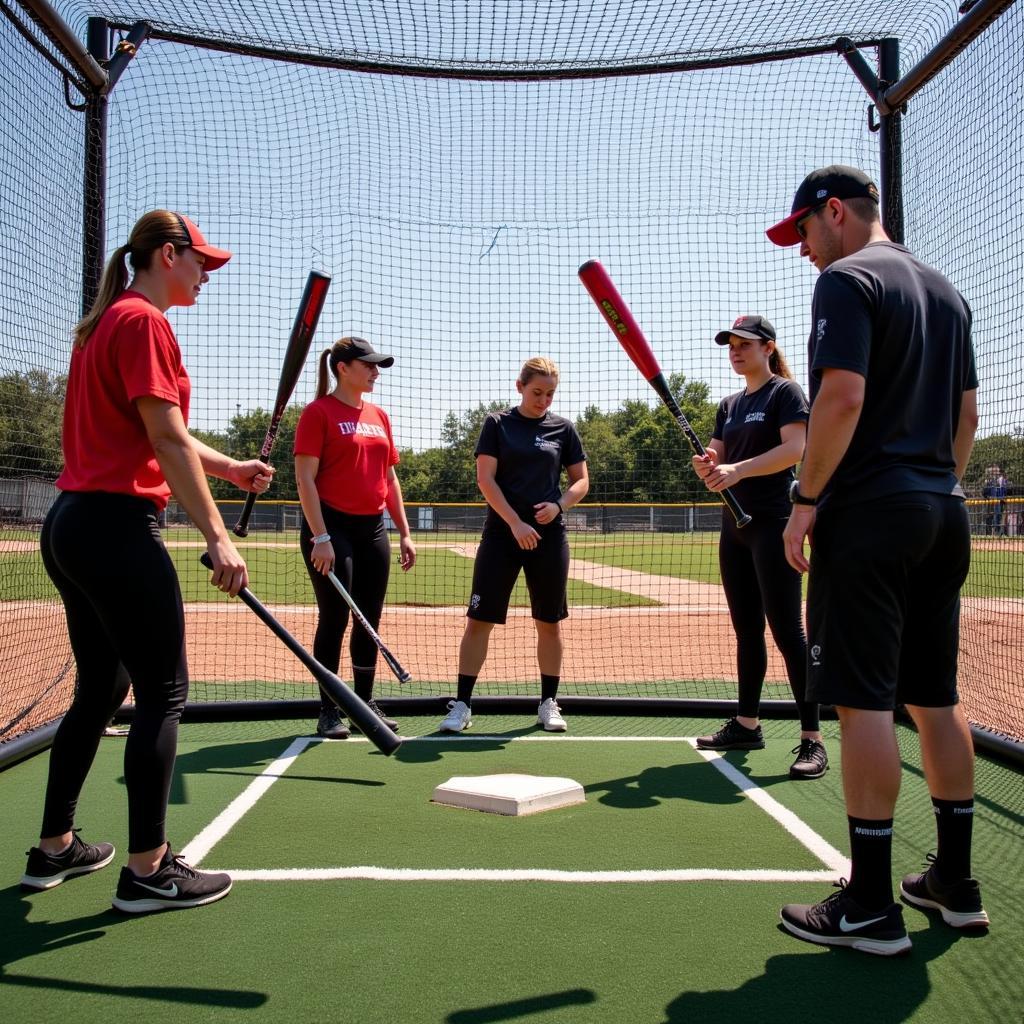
point(451, 165)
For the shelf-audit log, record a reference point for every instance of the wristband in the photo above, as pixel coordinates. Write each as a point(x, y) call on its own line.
point(558, 502)
point(321, 538)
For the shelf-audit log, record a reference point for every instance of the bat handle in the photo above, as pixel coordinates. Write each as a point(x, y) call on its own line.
point(660, 385)
point(241, 528)
point(742, 518)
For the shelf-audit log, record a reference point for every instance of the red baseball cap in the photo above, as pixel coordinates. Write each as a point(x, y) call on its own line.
point(215, 258)
point(833, 182)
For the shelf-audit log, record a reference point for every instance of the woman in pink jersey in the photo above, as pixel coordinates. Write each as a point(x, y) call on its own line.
point(345, 458)
point(126, 449)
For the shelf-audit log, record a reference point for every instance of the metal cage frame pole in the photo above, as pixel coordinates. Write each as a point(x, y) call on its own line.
point(94, 172)
point(891, 144)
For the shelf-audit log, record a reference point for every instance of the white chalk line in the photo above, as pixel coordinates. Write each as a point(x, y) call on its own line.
point(836, 864)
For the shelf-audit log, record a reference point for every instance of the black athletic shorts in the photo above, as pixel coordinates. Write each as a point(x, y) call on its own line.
point(883, 602)
point(499, 560)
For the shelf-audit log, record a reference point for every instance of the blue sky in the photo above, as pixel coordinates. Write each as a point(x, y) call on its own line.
point(453, 214)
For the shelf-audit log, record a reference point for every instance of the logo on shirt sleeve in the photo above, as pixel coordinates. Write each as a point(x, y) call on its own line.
point(819, 329)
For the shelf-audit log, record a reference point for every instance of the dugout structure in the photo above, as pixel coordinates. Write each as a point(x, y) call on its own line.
point(451, 165)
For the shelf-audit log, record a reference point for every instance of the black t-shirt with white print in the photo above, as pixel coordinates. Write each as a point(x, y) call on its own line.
point(901, 325)
point(750, 425)
point(531, 454)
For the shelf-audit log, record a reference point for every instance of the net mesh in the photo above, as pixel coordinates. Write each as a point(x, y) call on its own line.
point(453, 210)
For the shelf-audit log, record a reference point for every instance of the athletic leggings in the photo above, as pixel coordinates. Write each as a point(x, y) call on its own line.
point(107, 559)
point(760, 583)
point(362, 563)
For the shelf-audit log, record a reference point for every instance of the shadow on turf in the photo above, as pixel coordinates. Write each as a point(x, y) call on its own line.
point(234, 759)
point(421, 753)
point(22, 939)
point(653, 786)
point(522, 1007)
point(826, 982)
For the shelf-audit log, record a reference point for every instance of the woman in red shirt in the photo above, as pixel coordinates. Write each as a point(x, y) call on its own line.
point(345, 458)
point(126, 449)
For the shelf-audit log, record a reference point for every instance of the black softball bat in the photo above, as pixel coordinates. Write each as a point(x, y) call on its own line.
point(310, 306)
point(369, 724)
point(392, 662)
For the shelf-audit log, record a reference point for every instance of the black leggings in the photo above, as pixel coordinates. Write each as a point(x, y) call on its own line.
point(105, 555)
point(362, 563)
point(760, 583)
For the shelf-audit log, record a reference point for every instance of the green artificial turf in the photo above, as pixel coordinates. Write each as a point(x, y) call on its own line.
point(474, 952)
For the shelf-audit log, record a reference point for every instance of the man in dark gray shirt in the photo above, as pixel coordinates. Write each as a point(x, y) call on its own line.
point(893, 414)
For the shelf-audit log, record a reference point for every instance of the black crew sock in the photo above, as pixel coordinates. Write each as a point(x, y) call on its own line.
point(954, 822)
point(465, 688)
point(548, 687)
point(871, 858)
point(362, 681)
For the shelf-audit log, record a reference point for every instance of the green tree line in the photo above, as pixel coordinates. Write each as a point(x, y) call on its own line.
point(636, 453)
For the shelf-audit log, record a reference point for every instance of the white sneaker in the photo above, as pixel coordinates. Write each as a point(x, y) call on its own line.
point(459, 717)
point(549, 714)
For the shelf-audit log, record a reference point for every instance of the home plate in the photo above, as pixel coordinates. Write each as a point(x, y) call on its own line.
point(509, 794)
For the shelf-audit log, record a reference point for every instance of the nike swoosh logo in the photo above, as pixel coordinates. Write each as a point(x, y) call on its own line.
point(172, 890)
point(852, 926)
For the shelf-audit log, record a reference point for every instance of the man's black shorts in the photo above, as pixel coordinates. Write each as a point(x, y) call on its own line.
point(883, 602)
point(499, 560)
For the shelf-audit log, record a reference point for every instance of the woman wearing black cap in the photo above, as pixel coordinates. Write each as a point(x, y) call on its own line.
point(126, 449)
point(758, 439)
point(345, 458)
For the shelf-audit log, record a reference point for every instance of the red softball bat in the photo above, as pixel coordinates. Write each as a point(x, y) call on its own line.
point(615, 311)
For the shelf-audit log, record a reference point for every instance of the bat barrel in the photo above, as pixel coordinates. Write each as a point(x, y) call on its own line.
point(618, 317)
point(306, 318)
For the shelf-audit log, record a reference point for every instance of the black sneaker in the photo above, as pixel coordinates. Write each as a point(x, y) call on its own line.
point(959, 902)
point(46, 870)
point(839, 921)
point(733, 736)
point(811, 760)
point(330, 726)
point(375, 708)
point(173, 886)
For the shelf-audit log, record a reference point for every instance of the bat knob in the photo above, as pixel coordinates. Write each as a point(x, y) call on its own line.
point(206, 560)
point(742, 521)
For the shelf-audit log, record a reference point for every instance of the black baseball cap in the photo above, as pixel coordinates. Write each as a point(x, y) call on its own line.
point(360, 348)
point(833, 182)
point(756, 328)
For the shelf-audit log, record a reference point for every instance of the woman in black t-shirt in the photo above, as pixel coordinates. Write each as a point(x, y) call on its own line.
point(759, 437)
point(519, 461)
